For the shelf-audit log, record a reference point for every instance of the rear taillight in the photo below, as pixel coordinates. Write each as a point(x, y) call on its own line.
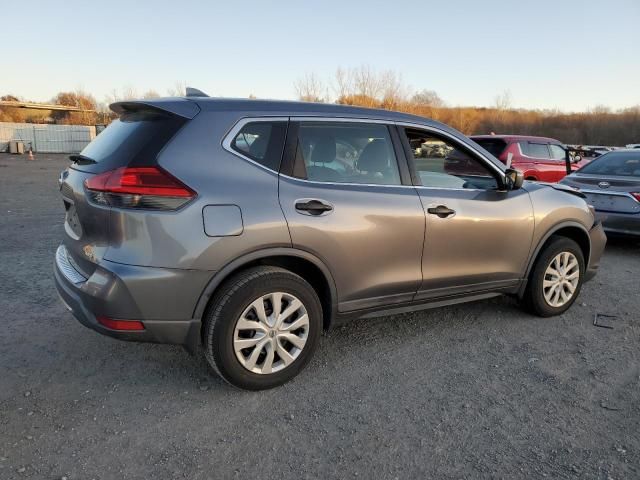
point(636, 195)
point(138, 187)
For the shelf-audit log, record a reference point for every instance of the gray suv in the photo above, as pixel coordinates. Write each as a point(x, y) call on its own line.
point(244, 228)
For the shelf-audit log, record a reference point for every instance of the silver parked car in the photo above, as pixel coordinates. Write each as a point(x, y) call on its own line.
point(611, 184)
point(247, 227)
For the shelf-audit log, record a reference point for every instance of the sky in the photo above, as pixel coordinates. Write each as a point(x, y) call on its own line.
point(564, 54)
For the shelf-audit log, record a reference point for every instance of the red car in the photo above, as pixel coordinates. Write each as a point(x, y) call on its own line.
point(538, 158)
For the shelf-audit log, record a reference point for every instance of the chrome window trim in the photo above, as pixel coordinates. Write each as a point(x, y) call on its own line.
point(316, 182)
point(228, 138)
point(236, 127)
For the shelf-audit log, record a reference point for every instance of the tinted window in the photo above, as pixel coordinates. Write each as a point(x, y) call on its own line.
point(557, 152)
point(346, 152)
point(535, 150)
point(442, 164)
point(135, 136)
point(615, 163)
point(495, 146)
point(262, 142)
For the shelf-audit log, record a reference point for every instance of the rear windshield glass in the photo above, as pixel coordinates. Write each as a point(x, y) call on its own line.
point(495, 146)
point(615, 163)
point(134, 138)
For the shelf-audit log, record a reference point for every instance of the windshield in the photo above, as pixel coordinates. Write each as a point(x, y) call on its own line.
point(615, 163)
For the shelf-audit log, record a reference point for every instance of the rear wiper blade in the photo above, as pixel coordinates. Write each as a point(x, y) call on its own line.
point(81, 159)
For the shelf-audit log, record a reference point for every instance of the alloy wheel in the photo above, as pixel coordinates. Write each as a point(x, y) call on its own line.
point(271, 333)
point(561, 279)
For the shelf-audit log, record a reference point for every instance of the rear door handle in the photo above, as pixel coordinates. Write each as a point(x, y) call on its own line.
point(313, 206)
point(441, 211)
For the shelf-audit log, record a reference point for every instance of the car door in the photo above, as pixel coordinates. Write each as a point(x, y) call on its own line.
point(538, 154)
point(349, 202)
point(478, 235)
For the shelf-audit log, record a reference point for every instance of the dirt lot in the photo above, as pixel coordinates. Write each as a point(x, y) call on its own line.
point(474, 391)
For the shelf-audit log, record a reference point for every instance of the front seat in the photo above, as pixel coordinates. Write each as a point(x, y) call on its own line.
point(324, 151)
point(374, 162)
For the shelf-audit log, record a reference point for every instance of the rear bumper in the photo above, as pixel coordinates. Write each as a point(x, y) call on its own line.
point(163, 299)
point(598, 242)
point(620, 223)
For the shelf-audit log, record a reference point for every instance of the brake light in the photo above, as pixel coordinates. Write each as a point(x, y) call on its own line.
point(636, 195)
point(122, 325)
point(138, 187)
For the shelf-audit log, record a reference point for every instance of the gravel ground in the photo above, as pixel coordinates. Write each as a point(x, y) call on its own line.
point(479, 390)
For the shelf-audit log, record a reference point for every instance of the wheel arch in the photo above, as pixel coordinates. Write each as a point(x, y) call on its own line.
point(300, 262)
point(569, 229)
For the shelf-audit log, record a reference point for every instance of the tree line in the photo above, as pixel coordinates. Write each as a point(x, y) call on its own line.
point(366, 87)
point(363, 86)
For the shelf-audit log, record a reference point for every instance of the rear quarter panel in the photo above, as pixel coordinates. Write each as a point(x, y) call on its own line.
point(178, 239)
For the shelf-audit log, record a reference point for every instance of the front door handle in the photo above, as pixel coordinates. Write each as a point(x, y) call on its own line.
point(441, 211)
point(312, 206)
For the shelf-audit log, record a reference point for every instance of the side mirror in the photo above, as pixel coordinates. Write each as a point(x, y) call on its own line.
point(513, 179)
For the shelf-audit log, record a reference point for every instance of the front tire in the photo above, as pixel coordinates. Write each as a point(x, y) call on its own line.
point(263, 327)
point(556, 279)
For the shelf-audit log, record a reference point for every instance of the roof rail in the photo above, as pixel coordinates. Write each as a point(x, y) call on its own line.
point(194, 92)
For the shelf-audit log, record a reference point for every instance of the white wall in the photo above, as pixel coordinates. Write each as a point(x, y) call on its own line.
point(47, 138)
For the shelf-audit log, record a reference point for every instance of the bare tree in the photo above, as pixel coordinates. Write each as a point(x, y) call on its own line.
point(427, 98)
point(151, 94)
point(504, 101)
point(310, 88)
point(179, 89)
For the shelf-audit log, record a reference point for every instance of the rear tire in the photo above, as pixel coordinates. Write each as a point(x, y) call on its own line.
point(556, 278)
point(247, 342)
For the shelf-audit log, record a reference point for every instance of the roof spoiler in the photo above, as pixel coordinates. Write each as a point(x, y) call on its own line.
point(175, 106)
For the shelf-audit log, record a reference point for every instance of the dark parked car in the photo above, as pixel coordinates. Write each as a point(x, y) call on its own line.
point(611, 184)
point(538, 158)
point(248, 227)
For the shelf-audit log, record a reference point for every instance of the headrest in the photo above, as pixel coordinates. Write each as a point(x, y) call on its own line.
point(324, 150)
point(258, 148)
point(374, 157)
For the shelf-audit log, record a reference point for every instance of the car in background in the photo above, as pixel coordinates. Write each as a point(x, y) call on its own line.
point(538, 158)
point(633, 145)
point(611, 184)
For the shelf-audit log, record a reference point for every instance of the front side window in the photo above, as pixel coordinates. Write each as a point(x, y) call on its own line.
point(535, 150)
point(441, 163)
point(262, 142)
point(557, 152)
point(345, 152)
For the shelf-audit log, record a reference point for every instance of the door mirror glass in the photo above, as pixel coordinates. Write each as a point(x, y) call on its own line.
point(513, 179)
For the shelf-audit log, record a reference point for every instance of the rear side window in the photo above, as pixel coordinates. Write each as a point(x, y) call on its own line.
point(135, 138)
point(262, 142)
point(345, 152)
point(535, 150)
point(495, 146)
